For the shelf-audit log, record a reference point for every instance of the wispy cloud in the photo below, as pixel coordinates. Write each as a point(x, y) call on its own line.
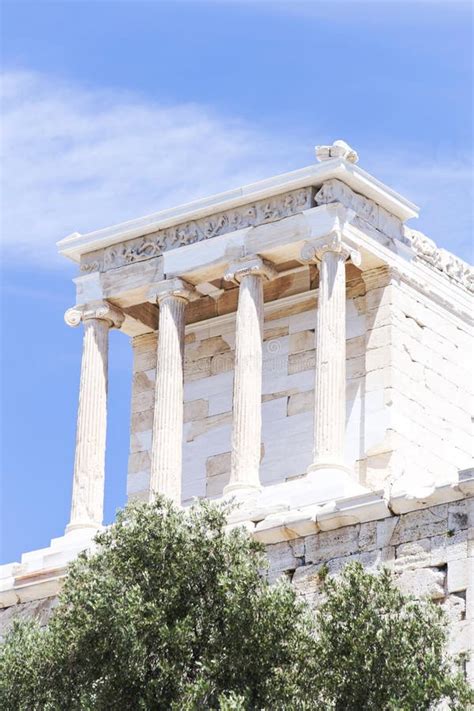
point(78, 159)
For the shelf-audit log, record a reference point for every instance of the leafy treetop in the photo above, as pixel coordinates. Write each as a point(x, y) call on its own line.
point(172, 612)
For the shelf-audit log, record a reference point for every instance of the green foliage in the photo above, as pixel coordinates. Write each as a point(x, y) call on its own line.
point(379, 649)
point(171, 612)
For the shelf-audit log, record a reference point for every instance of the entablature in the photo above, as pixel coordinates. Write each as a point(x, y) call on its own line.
point(272, 219)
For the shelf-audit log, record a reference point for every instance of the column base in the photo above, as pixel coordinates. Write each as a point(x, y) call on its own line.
point(82, 526)
point(241, 490)
point(332, 480)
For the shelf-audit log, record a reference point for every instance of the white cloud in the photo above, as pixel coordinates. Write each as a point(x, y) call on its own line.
point(79, 159)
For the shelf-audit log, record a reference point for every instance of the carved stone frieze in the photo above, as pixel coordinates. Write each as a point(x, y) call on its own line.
point(154, 244)
point(368, 210)
point(89, 267)
point(453, 267)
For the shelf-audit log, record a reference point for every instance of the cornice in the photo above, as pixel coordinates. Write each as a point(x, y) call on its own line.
point(359, 180)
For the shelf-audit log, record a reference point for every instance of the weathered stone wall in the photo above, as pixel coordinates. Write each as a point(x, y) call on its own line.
point(417, 386)
point(430, 550)
point(39, 610)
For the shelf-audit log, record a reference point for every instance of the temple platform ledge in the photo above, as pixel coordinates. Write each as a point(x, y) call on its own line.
point(279, 513)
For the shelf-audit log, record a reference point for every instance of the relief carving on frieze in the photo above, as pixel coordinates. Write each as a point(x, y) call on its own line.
point(424, 248)
point(453, 267)
point(154, 244)
point(336, 191)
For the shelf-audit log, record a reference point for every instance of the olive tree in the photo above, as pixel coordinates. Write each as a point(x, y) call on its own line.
point(172, 611)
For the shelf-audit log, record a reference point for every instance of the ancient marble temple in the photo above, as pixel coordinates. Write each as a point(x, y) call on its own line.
point(296, 346)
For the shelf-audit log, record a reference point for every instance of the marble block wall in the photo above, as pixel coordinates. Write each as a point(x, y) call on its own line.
point(418, 381)
point(407, 413)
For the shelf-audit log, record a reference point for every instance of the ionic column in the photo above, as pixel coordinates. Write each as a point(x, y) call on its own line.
point(166, 454)
point(247, 403)
point(331, 253)
point(89, 464)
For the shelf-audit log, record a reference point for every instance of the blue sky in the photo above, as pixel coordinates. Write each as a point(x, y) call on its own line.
point(116, 109)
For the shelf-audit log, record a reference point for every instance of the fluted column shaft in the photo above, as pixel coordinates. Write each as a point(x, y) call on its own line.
point(89, 465)
point(247, 400)
point(166, 455)
point(331, 254)
point(330, 377)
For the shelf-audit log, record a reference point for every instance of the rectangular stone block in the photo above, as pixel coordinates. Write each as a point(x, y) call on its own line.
point(138, 482)
point(307, 583)
point(368, 536)
point(300, 402)
point(267, 397)
point(271, 334)
point(338, 543)
point(458, 515)
point(138, 462)
point(207, 347)
point(144, 361)
point(291, 311)
point(195, 410)
point(423, 582)
point(197, 369)
point(414, 554)
point(420, 524)
point(218, 464)
point(369, 559)
point(142, 421)
point(143, 401)
point(458, 574)
point(145, 342)
point(355, 367)
point(299, 362)
point(281, 557)
point(143, 381)
point(355, 347)
point(222, 363)
point(141, 441)
point(215, 485)
point(200, 427)
point(302, 341)
point(221, 402)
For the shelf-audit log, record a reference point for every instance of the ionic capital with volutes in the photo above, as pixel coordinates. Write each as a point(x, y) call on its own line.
point(172, 288)
point(249, 266)
point(333, 242)
point(101, 310)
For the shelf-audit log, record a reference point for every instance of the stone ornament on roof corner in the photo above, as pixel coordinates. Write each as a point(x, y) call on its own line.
point(453, 267)
point(102, 310)
point(339, 149)
point(153, 245)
